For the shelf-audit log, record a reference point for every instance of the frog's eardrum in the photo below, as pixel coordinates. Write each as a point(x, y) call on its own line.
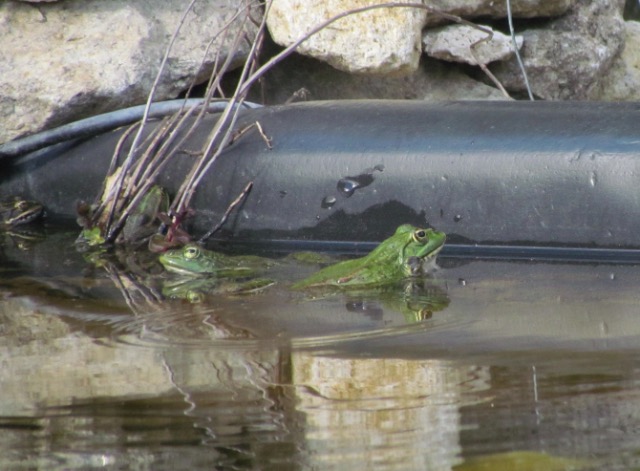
point(552, 174)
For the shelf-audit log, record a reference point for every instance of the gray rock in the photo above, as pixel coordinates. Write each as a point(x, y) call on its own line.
point(382, 41)
point(622, 82)
point(498, 8)
point(433, 81)
point(463, 43)
point(68, 60)
point(565, 59)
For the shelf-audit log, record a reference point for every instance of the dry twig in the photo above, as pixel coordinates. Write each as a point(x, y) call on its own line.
point(145, 162)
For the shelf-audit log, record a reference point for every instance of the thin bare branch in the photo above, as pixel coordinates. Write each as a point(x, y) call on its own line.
point(154, 87)
point(517, 51)
point(289, 49)
point(225, 122)
point(226, 214)
point(484, 67)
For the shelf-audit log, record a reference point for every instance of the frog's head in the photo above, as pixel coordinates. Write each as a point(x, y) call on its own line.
point(420, 246)
point(189, 260)
point(193, 260)
point(18, 211)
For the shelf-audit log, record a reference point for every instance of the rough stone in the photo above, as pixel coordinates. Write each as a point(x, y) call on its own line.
point(498, 9)
point(433, 81)
point(622, 82)
point(383, 41)
point(68, 60)
point(463, 43)
point(565, 59)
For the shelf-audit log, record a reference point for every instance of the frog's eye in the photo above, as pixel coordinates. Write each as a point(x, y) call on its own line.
point(194, 297)
point(191, 252)
point(420, 236)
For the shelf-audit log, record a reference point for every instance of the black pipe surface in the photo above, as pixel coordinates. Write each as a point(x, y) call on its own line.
point(561, 174)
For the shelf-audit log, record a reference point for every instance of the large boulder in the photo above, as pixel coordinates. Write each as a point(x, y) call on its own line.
point(381, 41)
point(566, 59)
point(301, 77)
point(498, 9)
point(622, 82)
point(464, 43)
point(66, 60)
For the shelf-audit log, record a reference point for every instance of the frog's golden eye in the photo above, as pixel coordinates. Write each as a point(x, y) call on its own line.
point(420, 235)
point(191, 252)
point(194, 297)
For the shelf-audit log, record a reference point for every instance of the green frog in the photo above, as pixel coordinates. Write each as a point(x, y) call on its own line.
point(399, 257)
point(193, 260)
point(387, 274)
point(17, 211)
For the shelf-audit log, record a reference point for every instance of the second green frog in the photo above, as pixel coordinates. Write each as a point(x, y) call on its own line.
point(401, 256)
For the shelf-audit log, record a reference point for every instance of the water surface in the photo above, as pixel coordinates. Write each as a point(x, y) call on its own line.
point(527, 365)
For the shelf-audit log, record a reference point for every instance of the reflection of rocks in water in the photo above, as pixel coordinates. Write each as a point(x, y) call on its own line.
point(576, 406)
point(165, 406)
point(48, 364)
point(181, 322)
point(364, 412)
point(229, 386)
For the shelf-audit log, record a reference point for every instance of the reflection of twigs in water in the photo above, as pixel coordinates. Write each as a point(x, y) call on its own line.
point(225, 216)
point(138, 296)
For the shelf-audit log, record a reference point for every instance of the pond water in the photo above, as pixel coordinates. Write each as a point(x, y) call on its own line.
point(493, 364)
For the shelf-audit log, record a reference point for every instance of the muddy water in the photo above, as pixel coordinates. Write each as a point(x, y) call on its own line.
point(523, 365)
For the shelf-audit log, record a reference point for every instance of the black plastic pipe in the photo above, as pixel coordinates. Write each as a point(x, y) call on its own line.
point(499, 174)
point(105, 122)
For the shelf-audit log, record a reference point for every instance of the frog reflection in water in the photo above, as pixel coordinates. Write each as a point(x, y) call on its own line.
point(401, 257)
point(15, 214)
point(16, 211)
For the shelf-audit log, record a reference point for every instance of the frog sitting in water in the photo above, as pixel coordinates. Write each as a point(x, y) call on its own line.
point(400, 256)
point(193, 260)
point(388, 274)
point(211, 273)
